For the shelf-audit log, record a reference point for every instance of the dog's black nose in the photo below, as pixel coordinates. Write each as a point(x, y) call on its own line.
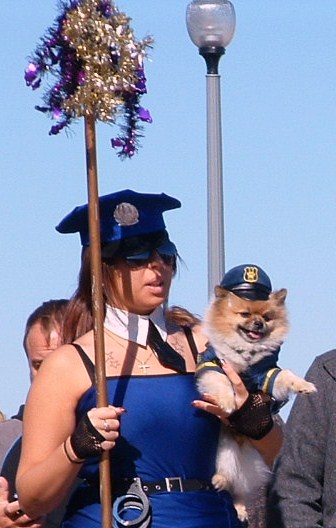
point(258, 325)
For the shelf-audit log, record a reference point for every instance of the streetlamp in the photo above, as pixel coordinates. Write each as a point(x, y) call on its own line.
point(211, 25)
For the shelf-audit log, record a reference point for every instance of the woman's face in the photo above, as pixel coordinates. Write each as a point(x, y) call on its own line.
point(141, 289)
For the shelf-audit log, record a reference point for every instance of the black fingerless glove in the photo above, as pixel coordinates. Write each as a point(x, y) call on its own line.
point(254, 418)
point(86, 440)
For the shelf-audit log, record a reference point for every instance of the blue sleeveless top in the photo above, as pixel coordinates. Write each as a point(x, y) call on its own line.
point(161, 435)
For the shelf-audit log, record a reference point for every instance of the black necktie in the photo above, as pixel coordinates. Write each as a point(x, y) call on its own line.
point(166, 354)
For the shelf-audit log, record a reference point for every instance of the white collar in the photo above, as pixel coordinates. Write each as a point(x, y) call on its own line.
point(134, 327)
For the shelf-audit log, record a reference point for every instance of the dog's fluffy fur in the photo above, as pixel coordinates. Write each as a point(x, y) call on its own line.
point(244, 332)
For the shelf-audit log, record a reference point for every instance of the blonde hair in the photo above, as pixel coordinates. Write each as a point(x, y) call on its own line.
point(181, 316)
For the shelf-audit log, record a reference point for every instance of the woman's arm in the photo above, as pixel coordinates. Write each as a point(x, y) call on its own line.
point(269, 446)
point(46, 474)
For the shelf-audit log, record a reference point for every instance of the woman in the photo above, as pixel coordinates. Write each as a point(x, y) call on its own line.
point(162, 443)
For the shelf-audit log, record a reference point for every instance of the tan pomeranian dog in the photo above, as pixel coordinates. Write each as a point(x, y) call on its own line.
point(245, 327)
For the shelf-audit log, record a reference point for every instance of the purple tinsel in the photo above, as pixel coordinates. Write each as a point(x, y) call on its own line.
point(55, 56)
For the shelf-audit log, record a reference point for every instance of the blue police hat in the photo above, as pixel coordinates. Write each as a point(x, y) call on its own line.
point(123, 214)
point(248, 281)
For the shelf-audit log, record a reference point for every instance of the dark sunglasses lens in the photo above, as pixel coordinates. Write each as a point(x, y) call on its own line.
point(136, 263)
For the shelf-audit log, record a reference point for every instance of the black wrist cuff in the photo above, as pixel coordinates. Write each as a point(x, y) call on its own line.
point(254, 418)
point(86, 440)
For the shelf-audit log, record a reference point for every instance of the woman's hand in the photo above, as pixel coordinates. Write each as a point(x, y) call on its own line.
point(210, 402)
point(252, 416)
point(97, 431)
point(106, 420)
point(269, 444)
point(11, 516)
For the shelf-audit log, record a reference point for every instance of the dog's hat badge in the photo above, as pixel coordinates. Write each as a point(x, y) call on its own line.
point(251, 274)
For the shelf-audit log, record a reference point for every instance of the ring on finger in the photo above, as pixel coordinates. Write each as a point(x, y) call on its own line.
point(107, 427)
point(14, 515)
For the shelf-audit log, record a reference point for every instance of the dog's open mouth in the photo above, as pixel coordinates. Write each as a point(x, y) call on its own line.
point(252, 335)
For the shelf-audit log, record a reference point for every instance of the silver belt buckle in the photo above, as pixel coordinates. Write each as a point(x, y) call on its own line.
point(171, 481)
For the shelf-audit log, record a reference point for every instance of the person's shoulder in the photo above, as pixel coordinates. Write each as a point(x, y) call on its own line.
point(322, 368)
point(10, 430)
point(65, 353)
point(63, 371)
point(12, 426)
point(64, 359)
point(327, 360)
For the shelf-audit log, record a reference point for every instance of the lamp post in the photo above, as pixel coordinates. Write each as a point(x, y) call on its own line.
point(211, 25)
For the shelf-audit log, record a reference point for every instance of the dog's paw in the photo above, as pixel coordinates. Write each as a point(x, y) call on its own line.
point(227, 403)
point(287, 382)
point(305, 387)
point(220, 482)
point(219, 386)
point(300, 385)
point(241, 511)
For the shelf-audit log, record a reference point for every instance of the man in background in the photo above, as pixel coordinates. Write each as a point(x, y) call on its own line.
point(43, 334)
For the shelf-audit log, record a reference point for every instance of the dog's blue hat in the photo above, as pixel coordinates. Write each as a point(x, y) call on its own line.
point(248, 281)
point(123, 214)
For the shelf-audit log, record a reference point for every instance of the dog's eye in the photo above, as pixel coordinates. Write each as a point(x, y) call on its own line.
point(268, 317)
point(245, 314)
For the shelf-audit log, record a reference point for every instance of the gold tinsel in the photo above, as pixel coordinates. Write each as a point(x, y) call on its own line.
point(110, 55)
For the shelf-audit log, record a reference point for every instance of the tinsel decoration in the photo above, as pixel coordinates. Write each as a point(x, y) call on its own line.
point(98, 66)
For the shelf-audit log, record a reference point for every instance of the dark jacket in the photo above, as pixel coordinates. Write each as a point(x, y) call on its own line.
point(10, 430)
point(302, 493)
point(9, 470)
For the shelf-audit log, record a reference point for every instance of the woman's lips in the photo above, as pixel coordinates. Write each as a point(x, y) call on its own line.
point(156, 285)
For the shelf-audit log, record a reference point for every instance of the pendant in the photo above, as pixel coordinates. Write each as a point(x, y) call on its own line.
point(143, 366)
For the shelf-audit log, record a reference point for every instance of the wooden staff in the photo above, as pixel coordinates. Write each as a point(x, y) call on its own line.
point(67, 53)
point(97, 306)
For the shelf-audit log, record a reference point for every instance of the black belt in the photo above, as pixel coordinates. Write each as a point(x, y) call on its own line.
point(167, 484)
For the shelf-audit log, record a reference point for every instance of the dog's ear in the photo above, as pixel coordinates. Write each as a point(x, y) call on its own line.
point(221, 292)
point(279, 296)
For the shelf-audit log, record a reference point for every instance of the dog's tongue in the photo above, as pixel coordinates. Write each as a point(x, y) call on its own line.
point(255, 335)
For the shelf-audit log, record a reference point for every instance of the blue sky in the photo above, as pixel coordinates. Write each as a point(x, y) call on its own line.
point(278, 81)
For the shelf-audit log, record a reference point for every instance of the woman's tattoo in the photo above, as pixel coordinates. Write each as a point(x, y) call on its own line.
point(111, 360)
point(177, 344)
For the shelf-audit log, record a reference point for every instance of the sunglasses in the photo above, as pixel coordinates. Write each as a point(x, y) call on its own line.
point(142, 260)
